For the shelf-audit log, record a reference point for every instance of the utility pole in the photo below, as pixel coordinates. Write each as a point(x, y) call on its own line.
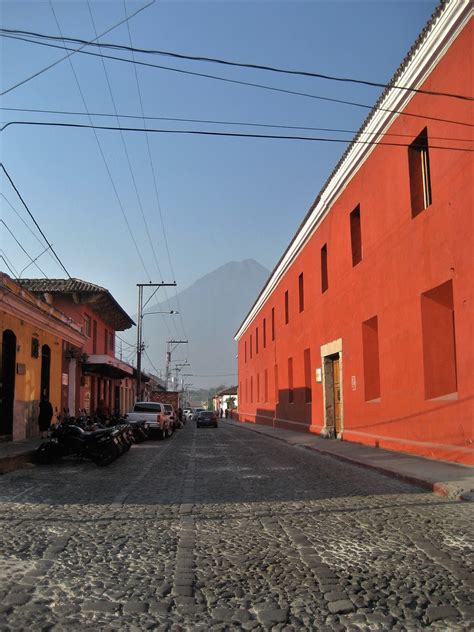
point(141, 306)
point(170, 347)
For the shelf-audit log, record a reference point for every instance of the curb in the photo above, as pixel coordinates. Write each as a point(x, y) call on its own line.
point(11, 463)
point(441, 489)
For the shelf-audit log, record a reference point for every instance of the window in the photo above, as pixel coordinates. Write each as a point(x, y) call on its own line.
point(251, 389)
point(301, 291)
point(258, 387)
point(324, 268)
point(94, 336)
point(356, 236)
point(87, 325)
point(307, 376)
point(106, 339)
point(419, 173)
point(439, 341)
point(287, 309)
point(277, 392)
point(245, 347)
point(291, 394)
point(273, 323)
point(111, 340)
point(251, 346)
point(247, 390)
point(265, 386)
point(370, 351)
point(264, 333)
point(256, 340)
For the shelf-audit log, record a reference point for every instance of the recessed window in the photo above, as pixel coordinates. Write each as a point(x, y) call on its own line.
point(307, 376)
point(356, 236)
point(256, 340)
point(111, 340)
point(87, 325)
point(439, 341)
point(251, 346)
point(247, 390)
point(301, 292)
point(265, 386)
point(245, 351)
point(264, 333)
point(291, 394)
point(324, 268)
point(370, 350)
point(287, 308)
point(106, 338)
point(277, 392)
point(251, 389)
point(258, 387)
point(419, 172)
point(273, 323)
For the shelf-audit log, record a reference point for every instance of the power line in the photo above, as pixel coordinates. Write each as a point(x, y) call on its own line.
point(225, 134)
point(23, 249)
point(248, 83)
point(58, 61)
point(25, 223)
point(34, 220)
point(236, 123)
point(102, 154)
point(251, 66)
point(155, 183)
point(9, 264)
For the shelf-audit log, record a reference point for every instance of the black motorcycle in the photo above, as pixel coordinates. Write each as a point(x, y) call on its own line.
point(100, 446)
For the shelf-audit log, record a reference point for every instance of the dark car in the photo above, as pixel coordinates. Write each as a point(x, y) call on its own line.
point(207, 418)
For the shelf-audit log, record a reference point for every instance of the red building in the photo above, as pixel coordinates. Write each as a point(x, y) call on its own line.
point(363, 330)
point(91, 372)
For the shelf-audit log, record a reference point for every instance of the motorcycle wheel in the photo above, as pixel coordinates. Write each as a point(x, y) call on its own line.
point(105, 457)
point(47, 452)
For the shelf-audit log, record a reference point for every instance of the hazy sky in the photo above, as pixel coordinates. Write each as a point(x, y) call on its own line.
point(221, 198)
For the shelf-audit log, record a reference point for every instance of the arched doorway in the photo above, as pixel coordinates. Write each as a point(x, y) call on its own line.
point(7, 383)
point(45, 371)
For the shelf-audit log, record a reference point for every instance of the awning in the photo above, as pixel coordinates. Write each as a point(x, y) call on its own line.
point(107, 366)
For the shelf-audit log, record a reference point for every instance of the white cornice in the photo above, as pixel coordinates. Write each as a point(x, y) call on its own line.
point(442, 33)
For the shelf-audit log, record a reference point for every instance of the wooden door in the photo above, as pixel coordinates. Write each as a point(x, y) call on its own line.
point(336, 378)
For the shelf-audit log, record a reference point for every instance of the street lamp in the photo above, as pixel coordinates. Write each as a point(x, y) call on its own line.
point(172, 311)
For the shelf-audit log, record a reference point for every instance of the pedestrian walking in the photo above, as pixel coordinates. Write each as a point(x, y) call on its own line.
point(45, 416)
point(221, 413)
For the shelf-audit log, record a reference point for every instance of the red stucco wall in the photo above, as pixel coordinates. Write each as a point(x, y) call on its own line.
point(403, 257)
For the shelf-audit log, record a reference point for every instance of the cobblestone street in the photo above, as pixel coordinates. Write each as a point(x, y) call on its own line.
point(226, 530)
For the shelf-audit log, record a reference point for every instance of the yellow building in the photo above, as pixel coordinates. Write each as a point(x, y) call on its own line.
point(34, 339)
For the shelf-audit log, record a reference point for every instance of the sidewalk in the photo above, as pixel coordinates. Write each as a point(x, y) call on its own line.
point(16, 454)
point(447, 479)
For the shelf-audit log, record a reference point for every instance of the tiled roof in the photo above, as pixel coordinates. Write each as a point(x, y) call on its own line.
point(99, 298)
point(228, 391)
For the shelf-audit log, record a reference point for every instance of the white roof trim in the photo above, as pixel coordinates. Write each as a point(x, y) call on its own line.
point(445, 29)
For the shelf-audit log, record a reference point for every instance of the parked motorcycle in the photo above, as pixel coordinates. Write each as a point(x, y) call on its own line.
point(102, 447)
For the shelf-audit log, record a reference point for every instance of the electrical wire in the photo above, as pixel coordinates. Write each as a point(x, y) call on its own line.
point(119, 201)
point(214, 122)
point(8, 264)
point(26, 224)
point(251, 84)
point(155, 184)
point(34, 220)
point(23, 249)
point(251, 66)
point(58, 61)
point(226, 134)
point(127, 155)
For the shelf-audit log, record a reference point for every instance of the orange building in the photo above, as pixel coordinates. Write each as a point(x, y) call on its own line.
point(363, 330)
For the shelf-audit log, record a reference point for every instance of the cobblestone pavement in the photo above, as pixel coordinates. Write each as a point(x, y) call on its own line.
point(228, 530)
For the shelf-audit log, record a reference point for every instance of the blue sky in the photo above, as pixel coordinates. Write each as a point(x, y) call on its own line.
point(221, 198)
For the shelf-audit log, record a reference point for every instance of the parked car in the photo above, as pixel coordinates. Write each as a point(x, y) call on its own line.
point(170, 413)
point(196, 413)
point(188, 413)
point(154, 414)
point(207, 418)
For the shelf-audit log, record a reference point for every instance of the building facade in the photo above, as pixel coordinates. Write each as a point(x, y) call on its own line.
point(363, 330)
point(94, 372)
point(33, 362)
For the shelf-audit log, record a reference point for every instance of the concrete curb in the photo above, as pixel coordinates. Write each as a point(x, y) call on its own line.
point(15, 462)
point(447, 490)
